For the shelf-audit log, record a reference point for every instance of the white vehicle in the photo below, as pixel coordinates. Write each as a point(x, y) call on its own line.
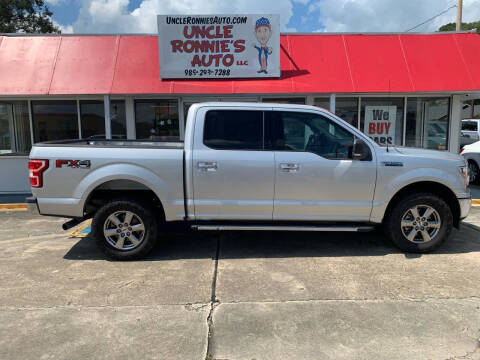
point(470, 131)
point(471, 153)
point(247, 166)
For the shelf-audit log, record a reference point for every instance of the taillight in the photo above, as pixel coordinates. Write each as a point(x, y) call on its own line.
point(36, 167)
point(461, 150)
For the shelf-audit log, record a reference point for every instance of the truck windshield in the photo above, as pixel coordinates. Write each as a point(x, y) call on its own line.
point(469, 125)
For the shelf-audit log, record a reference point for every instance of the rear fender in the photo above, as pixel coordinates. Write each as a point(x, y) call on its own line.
point(121, 171)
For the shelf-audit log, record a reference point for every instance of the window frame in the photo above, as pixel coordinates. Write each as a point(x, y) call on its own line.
point(241, 110)
point(356, 136)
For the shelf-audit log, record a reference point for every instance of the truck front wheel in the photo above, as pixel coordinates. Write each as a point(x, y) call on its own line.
point(419, 223)
point(125, 229)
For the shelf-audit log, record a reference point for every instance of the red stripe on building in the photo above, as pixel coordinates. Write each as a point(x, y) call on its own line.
point(64, 65)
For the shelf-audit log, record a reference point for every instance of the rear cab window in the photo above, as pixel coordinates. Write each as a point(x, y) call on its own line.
point(234, 130)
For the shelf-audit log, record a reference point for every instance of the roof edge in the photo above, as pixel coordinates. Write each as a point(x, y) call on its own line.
point(282, 33)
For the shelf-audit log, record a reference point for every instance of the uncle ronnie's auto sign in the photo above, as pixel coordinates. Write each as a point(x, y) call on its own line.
point(219, 46)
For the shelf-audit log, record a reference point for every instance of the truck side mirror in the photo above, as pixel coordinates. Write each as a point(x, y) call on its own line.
point(361, 151)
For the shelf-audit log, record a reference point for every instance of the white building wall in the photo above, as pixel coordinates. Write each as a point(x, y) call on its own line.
point(14, 175)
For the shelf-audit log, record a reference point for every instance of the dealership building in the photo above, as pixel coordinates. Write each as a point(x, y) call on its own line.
point(92, 86)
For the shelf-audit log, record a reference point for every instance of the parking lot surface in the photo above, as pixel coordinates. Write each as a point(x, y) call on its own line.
point(237, 295)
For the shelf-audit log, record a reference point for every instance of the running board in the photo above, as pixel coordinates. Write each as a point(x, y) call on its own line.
point(284, 228)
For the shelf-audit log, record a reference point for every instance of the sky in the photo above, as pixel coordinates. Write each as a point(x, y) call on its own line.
point(139, 16)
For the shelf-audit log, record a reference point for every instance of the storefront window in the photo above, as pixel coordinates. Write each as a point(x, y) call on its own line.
point(323, 102)
point(476, 109)
point(467, 109)
point(382, 120)
point(295, 100)
point(157, 119)
point(92, 114)
point(54, 120)
point(471, 109)
point(427, 123)
point(14, 128)
point(347, 109)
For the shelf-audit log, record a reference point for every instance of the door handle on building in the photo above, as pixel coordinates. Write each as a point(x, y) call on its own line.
point(207, 166)
point(289, 167)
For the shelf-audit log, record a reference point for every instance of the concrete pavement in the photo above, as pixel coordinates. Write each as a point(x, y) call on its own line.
point(388, 329)
point(237, 296)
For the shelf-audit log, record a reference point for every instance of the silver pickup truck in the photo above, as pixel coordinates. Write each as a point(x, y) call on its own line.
point(247, 166)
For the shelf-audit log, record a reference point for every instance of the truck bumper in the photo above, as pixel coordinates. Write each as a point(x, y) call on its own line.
point(32, 205)
point(465, 205)
point(62, 207)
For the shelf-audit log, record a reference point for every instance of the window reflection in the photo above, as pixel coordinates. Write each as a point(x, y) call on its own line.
point(14, 128)
point(54, 120)
point(92, 115)
point(427, 123)
point(347, 109)
point(297, 100)
point(157, 119)
point(323, 102)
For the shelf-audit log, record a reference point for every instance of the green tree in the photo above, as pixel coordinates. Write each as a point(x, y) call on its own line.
point(465, 26)
point(28, 16)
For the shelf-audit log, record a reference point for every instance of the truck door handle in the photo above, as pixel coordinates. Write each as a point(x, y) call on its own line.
point(207, 166)
point(289, 167)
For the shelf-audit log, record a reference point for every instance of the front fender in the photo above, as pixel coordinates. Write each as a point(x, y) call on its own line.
point(388, 186)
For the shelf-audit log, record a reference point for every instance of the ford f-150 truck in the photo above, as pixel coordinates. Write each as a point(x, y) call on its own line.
point(247, 166)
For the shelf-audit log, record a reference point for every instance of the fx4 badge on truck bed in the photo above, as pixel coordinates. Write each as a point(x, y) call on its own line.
point(83, 164)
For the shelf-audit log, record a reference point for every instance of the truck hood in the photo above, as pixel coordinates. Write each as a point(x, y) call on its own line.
point(424, 153)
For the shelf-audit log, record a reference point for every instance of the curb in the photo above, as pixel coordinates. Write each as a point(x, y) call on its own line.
point(13, 207)
point(83, 230)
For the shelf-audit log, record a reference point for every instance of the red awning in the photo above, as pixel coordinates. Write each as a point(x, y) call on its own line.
point(314, 63)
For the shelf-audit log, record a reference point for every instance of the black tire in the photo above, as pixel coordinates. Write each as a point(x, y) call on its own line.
point(393, 221)
point(141, 212)
point(474, 172)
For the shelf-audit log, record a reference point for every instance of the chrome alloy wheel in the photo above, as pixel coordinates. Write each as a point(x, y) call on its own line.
point(124, 230)
point(420, 224)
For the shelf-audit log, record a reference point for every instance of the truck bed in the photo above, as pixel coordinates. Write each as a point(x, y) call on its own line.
point(113, 143)
point(120, 165)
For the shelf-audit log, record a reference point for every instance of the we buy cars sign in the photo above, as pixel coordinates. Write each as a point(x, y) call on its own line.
point(219, 46)
point(380, 123)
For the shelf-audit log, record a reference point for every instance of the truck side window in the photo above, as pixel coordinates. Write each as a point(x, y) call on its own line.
point(298, 131)
point(233, 130)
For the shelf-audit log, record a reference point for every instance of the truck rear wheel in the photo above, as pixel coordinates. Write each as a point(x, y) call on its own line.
point(419, 223)
point(125, 229)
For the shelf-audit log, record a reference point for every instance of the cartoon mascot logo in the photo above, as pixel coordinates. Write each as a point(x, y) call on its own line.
point(263, 33)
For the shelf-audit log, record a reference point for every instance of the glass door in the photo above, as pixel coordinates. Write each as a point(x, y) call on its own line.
point(435, 123)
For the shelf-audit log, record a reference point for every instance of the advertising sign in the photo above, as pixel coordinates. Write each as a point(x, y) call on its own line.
point(219, 46)
point(380, 123)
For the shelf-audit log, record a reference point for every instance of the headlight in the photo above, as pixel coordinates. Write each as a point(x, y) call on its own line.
point(464, 172)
